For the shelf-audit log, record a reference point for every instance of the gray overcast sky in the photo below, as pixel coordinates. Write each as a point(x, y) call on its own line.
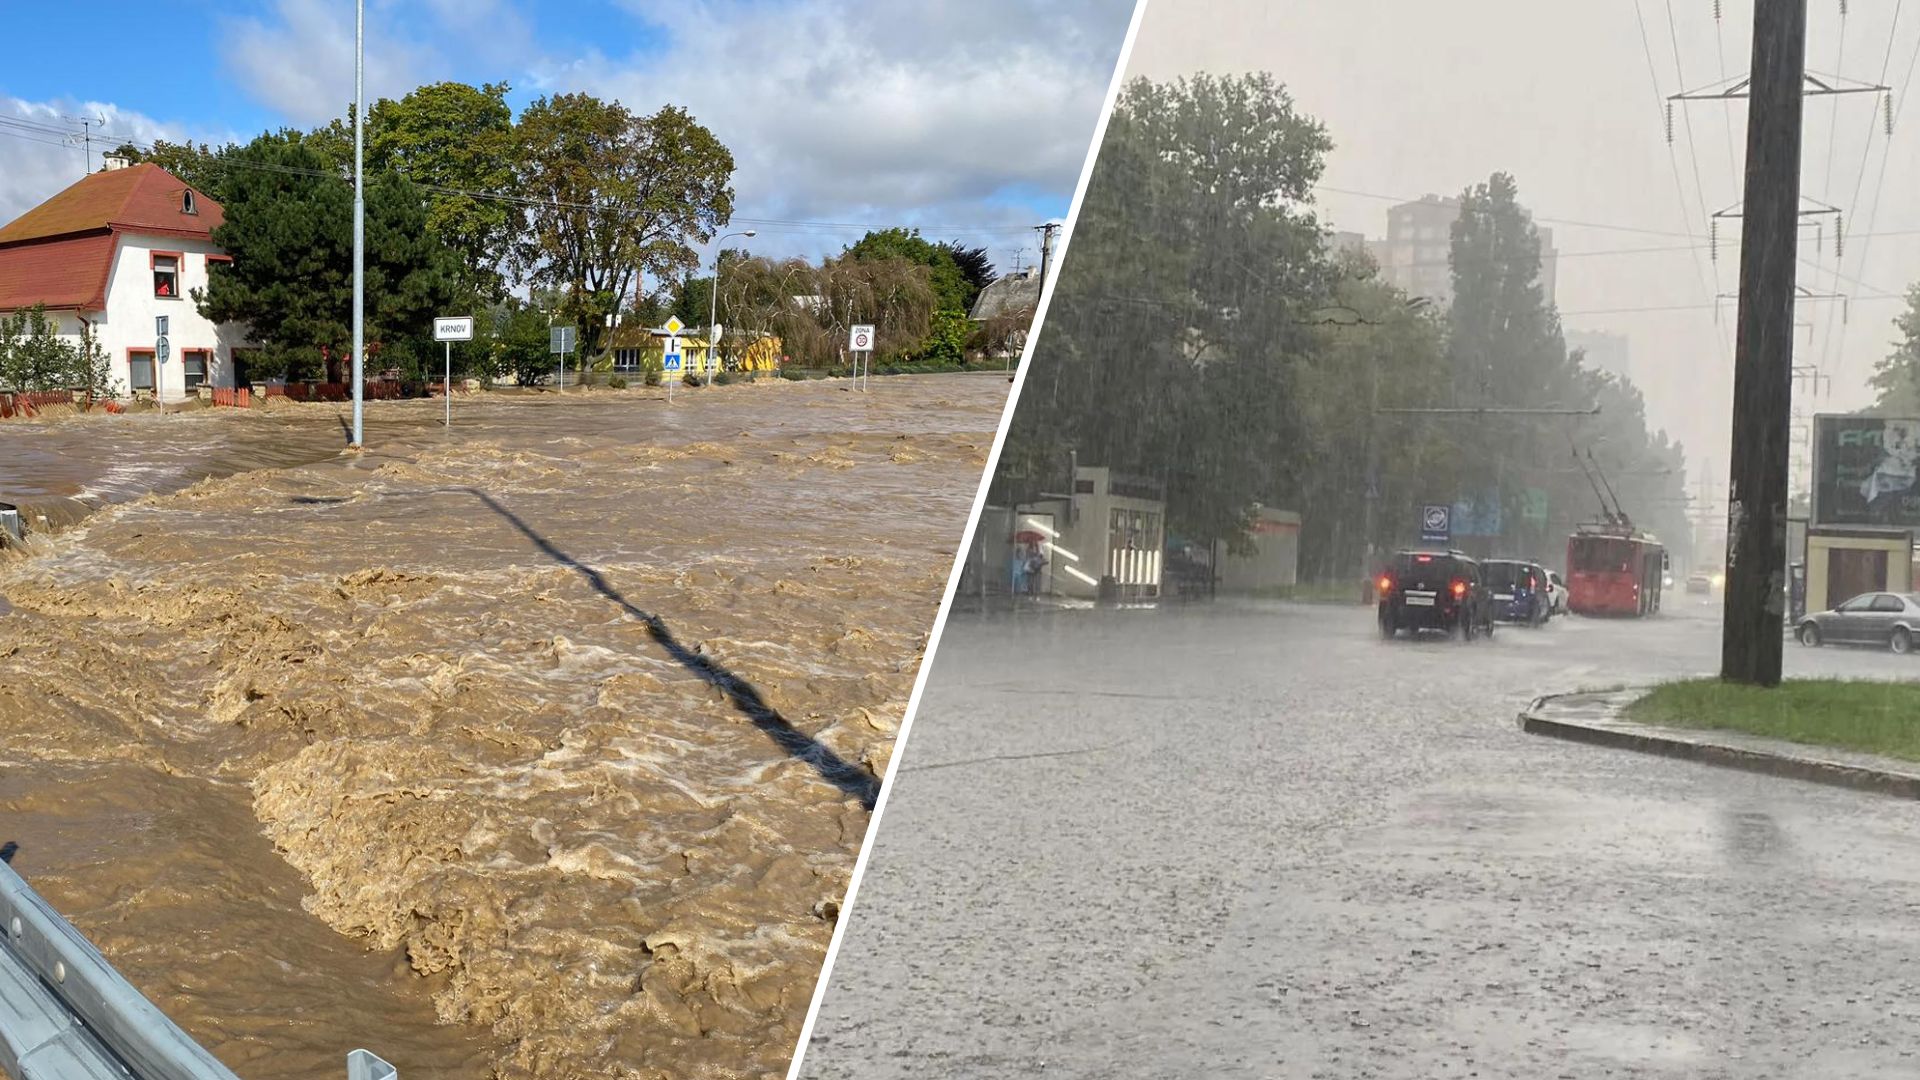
point(1422, 97)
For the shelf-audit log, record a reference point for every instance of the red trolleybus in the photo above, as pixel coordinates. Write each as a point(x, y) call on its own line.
point(1614, 570)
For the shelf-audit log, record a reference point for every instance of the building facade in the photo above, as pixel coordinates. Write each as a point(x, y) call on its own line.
point(114, 252)
point(1416, 255)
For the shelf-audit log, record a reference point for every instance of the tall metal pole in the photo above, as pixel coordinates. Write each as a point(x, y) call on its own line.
point(1755, 597)
point(359, 220)
point(447, 387)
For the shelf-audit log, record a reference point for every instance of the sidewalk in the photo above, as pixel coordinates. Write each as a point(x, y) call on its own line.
point(1598, 718)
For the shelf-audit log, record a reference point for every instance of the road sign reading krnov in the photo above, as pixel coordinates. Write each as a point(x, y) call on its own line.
point(453, 329)
point(860, 339)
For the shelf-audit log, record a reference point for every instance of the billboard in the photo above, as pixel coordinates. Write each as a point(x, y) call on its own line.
point(1866, 471)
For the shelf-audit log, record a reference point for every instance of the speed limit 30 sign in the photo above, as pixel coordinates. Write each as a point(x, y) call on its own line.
point(861, 339)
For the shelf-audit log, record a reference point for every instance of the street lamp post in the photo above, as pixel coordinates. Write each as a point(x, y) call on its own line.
point(359, 219)
point(713, 324)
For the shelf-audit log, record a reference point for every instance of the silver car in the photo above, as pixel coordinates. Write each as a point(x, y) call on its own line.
point(1887, 620)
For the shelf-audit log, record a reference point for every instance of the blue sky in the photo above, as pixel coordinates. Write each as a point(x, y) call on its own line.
point(972, 116)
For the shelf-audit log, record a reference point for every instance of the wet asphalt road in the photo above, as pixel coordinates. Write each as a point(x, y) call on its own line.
point(1256, 841)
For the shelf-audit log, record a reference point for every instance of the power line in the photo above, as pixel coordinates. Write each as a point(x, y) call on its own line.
point(1673, 165)
point(233, 161)
point(1895, 110)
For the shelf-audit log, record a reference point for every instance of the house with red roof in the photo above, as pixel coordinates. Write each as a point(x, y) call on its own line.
point(114, 251)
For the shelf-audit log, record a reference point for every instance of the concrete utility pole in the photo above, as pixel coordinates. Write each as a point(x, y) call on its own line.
point(1047, 232)
point(359, 219)
point(1755, 595)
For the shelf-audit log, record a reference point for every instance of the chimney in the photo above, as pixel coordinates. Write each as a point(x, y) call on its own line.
point(111, 162)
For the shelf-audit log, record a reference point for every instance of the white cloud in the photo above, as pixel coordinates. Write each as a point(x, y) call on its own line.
point(299, 62)
point(916, 113)
point(35, 165)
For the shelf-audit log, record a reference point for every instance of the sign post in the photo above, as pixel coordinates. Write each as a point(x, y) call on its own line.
point(670, 355)
point(450, 329)
point(860, 344)
point(560, 342)
point(161, 347)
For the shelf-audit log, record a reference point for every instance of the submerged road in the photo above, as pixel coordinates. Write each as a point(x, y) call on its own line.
point(1257, 841)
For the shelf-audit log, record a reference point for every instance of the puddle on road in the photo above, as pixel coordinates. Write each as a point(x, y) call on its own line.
point(542, 729)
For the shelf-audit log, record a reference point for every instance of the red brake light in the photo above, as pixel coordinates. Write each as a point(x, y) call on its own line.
point(1423, 558)
point(1459, 588)
point(1386, 583)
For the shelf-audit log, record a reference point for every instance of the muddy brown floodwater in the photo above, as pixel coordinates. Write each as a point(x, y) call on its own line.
point(540, 747)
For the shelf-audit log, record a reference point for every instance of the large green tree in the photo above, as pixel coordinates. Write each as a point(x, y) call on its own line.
point(289, 230)
point(457, 142)
point(1506, 351)
point(953, 291)
point(619, 196)
point(1183, 312)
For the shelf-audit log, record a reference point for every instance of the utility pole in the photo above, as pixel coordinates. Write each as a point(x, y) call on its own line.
point(1047, 232)
point(1755, 595)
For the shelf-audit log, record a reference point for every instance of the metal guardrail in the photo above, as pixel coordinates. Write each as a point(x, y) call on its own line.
point(66, 1014)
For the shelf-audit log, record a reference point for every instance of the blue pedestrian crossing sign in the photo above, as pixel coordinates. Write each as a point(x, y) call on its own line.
point(672, 360)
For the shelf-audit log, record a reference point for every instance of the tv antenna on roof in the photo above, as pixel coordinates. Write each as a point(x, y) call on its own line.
point(86, 133)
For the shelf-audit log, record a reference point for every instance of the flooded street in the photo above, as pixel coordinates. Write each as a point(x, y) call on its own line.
point(539, 747)
point(1252, 840)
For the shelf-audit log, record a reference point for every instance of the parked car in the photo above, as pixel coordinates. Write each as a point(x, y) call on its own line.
point(1434, 590)
point(1517, 591)
point(1886, 620)
point(1699, 583)
point(1558, 587)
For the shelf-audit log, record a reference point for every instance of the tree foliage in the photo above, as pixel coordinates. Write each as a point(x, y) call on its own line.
point(619, 195)
point(1896, 379)
point(952, 288)
point(456, 141)
point(290, 234)
point(36, 356)
point(1202, 333)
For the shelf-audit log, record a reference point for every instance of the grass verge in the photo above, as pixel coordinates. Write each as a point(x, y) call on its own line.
point(1873, 717)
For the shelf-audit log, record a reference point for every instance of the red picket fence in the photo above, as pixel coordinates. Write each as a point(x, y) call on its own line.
point(31, 402)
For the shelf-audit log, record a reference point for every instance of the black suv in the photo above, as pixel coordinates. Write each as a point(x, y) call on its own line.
point(1434, 590)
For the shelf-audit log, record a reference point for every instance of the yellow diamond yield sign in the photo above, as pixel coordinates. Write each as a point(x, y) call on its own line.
point(674, 325)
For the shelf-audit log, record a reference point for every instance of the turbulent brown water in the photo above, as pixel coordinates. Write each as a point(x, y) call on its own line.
point(534, 748)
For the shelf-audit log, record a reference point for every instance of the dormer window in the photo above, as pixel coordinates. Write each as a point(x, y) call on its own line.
point(186, 202)
point(166, 276)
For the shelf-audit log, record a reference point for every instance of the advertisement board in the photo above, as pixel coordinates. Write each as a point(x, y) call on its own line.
point(1866, 471)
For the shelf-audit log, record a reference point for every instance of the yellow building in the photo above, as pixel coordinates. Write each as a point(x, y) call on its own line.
point(632, 350)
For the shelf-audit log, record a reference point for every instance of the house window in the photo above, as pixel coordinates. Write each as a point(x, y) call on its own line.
point(140, 369)
point(166, 276)
point(186, 202)
point(193, 364)
point(626, 359)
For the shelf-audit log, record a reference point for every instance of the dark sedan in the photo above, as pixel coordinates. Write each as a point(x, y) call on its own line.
point(1885, 620)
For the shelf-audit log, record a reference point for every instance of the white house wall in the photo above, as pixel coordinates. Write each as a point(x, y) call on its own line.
point(131, 307)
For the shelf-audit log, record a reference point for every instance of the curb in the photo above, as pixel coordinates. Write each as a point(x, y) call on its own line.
point(1769, 757)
